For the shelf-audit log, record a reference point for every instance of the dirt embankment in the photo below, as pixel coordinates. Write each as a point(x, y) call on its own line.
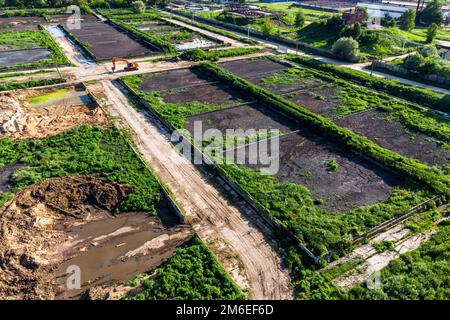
point(68, 221)
point(17, 120)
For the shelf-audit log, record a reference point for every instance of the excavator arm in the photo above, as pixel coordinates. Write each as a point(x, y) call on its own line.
point(129, 67)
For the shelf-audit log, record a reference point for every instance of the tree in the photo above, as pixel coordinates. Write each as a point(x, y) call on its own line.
point(432, 13)
point(267, 28)
point(299, 19)
point(138, 6)
point(408, 20)
point(158, 3)
point(346, 48)
point(429, 51)
point(432, 32)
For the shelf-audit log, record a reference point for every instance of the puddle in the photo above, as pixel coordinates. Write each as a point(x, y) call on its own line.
point(5, 175)
point(59, 97)
point(56, 33)
point(14, 57)
point(117, 249)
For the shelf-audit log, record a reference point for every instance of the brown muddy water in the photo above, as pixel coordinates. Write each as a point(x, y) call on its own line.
point(14, 57)
point(115, 249)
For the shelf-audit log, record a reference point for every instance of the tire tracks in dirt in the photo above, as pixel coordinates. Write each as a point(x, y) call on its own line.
point(243, 243)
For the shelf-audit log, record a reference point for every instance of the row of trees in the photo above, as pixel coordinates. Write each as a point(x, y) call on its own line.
point(86, 3)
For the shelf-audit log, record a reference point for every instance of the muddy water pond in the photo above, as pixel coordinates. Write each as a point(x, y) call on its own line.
point(115, 249)
point(14, 57)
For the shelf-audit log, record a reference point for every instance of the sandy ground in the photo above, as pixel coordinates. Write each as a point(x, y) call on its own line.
point(238, 237)
point(19, 121)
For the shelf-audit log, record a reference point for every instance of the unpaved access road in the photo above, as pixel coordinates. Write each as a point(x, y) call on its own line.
point(244, 245)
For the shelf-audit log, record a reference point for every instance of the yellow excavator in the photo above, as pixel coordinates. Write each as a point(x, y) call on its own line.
point(131, 66)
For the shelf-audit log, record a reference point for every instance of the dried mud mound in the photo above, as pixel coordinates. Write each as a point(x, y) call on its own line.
point(19, 121)
point(32, 224)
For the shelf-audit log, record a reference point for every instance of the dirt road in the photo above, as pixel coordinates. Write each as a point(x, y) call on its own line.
point(242, 242)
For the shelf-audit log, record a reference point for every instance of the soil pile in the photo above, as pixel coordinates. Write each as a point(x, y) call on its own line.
point(32, 224)
point(18, 121)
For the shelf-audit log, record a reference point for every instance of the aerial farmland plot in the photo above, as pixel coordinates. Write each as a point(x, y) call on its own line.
point(393, 124)
point(325, 175)
point(151, 24)
point(25, 48)
point(105, 41)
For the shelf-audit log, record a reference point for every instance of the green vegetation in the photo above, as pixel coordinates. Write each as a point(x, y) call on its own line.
point(153, 38)
point(384, 245)
point(410, 167)
point(426, 61)
point(193, 273)
point(420, 274)
point(213, 55)
point(332, 166)
point(407, 20)
point(432, 32)
point(30, 84)
point(138, 6)
point(82, 151)
point(320, 231)
point(346, 49)
point(174, 114)
point(33, 39)
point(425, 97)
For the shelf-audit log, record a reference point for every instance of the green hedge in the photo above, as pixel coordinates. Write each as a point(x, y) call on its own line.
point(426, 97)
point(30, 84)
point(329, 129)
point(213, 55)
point(153, 39)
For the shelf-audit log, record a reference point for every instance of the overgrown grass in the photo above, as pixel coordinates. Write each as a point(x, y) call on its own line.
point(33, 39)
point(30, 84)
point(214, 55)
point(82, 151)
point(192, 274)
point(175, 114)
point(420, 274)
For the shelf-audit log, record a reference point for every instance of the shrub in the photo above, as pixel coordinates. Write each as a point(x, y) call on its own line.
point(138, 6)
point(267, 28)
point(346, 49)
point(432, 32)
point(408, 20)
point(299, 19)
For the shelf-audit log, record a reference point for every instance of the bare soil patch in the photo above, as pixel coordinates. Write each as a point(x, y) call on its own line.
point(220, 94)
point(249, 116)
point(105, 41)
point(321, 100)
point(19, 120)
point(11, 21)
point(67, 221)
point(356, 182)
point(393, 135)
point(173, 79)
point(252, 67)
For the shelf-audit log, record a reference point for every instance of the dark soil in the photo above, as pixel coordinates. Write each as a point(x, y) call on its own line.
point(219, 94)
point(173, 79)
point(250, 116)
point(105, 41)
point(357, 182)
point(321, 100)
point(393, 135)
point(252, 67)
